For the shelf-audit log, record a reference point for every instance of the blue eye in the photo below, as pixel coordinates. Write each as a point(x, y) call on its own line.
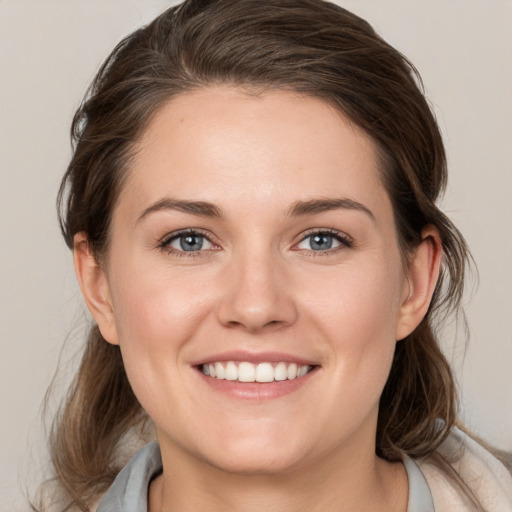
point(188, 242)
point(323, 241)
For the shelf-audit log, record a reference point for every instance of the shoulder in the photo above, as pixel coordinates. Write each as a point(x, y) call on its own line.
point(488, 478)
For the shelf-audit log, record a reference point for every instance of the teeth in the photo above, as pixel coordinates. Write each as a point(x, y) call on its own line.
point(280, 372)
point(219, 371)
point(246, 372)
point(302, 371)
point(291, 372)
point(262, 372)
point(231, 371)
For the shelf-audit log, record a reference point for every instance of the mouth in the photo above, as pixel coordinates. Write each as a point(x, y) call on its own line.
point(263, 372)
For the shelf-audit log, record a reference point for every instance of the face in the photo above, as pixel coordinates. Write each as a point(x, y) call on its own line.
point(253, 241)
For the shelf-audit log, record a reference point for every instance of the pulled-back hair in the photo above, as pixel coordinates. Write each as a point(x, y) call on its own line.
point(310, 47)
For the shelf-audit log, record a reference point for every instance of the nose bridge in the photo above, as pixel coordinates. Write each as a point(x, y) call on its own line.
point(256, 294)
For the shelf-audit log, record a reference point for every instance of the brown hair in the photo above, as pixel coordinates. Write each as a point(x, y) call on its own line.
point(308, 46)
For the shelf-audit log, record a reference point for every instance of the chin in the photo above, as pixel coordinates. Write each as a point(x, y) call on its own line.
point(263, 462)
point(264, 453)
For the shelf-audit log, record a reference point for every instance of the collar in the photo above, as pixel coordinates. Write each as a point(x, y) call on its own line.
point(129, 492)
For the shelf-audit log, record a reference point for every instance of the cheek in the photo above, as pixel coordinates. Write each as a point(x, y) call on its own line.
point(157, 314)
point(154, 304)
point(356, 302)
point(357, 312)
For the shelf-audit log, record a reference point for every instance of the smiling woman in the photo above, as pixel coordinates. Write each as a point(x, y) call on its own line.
point(263, 283)
point(251, 207)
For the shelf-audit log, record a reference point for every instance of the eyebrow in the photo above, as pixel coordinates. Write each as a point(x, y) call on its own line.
point(298, 209)
point(200, 208)
point(313, 206)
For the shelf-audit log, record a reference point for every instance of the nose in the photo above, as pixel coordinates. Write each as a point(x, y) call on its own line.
point(257, 294)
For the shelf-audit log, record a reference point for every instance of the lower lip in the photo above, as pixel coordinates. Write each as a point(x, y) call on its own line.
point(257, 390)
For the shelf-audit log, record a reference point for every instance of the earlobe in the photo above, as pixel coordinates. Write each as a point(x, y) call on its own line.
point(95, 288)
point(423, 273)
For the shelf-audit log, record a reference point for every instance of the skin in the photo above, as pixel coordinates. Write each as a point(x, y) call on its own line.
point(258, 285)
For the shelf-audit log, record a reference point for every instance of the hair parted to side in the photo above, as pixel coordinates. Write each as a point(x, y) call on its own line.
point(311, 47)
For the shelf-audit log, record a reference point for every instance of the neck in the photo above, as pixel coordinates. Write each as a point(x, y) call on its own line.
point(352, 482)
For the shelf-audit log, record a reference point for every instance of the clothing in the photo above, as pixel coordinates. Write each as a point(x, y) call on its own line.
point(129, 492)
point(490, 481)
point(430, 490)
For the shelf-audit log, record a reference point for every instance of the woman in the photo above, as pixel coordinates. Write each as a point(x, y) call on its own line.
point(251, 207)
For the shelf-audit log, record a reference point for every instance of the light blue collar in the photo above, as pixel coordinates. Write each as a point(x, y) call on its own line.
point(129, 492)
point(420, 497)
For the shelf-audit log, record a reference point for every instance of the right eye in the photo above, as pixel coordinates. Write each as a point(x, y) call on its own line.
point(187, 242)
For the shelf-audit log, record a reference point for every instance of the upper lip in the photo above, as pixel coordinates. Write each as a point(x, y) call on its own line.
point(253, 357)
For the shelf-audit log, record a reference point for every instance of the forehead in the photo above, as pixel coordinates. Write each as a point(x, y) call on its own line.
point(223, 143)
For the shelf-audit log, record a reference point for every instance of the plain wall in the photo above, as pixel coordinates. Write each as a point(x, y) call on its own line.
point(49, 52)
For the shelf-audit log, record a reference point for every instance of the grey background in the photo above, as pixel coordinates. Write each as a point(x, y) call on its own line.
point(50, 50)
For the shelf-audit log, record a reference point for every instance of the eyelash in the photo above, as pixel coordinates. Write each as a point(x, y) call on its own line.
point(345, 241)
point(166, 241)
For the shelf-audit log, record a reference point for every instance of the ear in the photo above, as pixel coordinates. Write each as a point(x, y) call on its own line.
point(423, 273)
point(95, 288)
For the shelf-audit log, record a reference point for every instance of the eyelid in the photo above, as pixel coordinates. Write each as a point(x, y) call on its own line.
point(164, 242)
point(345, 240)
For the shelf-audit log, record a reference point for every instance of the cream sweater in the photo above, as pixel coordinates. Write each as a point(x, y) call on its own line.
point(489, 479)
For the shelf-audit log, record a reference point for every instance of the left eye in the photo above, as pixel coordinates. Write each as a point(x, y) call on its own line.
point(322, 242)
point(189, 242)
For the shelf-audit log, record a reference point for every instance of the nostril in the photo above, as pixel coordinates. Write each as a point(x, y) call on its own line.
point(254, 326)
point(256, 309)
